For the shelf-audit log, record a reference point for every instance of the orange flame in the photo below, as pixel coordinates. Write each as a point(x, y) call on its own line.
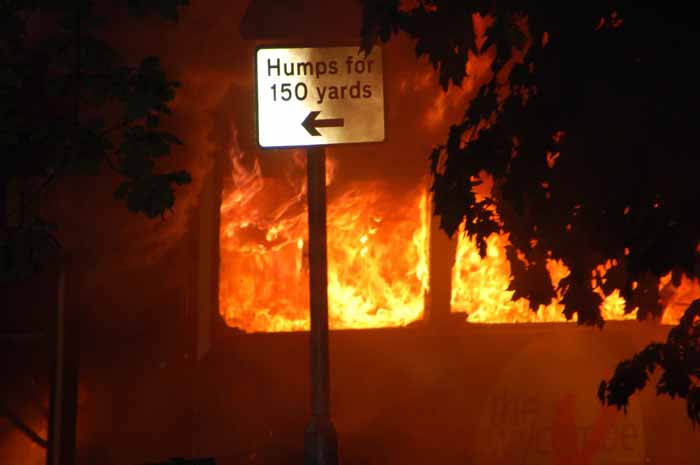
point(377, 253)
point(676, 300)
point(377, 244)
point(377, 260)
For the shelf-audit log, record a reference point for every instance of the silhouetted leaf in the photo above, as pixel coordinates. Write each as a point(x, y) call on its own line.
point(151, 195)
point(678, 358)
point(532, 283)
point(380, 20)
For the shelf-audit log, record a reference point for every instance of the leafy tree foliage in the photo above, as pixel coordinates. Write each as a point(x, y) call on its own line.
point(587, 127)
point(679, 360)
point(586, 137)
point(70, 105)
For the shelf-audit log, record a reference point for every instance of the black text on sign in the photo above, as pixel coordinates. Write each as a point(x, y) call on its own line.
point(319, 96)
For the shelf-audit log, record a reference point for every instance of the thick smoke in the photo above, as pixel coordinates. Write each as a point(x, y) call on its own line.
point(206, 53)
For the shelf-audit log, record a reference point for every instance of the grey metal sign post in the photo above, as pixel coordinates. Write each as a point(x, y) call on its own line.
point(313, 97)
point(320, 440)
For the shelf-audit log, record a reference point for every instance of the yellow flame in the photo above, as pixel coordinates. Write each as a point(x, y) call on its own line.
point(377, 261)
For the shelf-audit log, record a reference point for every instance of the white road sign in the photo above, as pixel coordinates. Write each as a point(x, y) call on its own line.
point(318, 96)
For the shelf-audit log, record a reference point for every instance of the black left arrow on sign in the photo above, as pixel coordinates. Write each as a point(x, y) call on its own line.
point(310, 123)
